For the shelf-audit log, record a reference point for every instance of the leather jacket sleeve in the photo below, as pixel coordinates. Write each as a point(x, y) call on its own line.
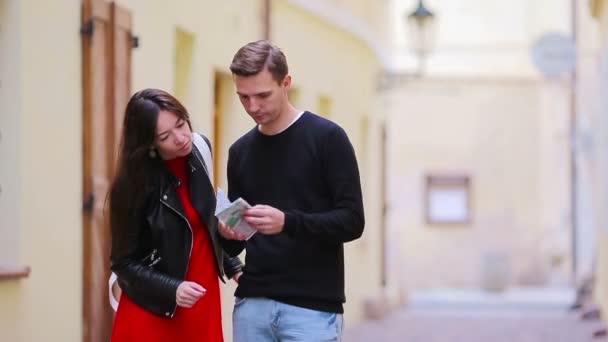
point(231, 247)
point(128, 252)
point(232, 266)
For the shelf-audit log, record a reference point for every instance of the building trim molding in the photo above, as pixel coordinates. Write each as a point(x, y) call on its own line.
point(8, 272)
point(347, 22)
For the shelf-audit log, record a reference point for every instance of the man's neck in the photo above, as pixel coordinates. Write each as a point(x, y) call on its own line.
point(283, 121)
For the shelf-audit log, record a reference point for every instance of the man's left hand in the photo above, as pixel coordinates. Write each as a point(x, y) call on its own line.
point(265, 219)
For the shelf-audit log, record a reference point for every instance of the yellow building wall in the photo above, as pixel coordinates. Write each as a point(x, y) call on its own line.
point(154, 62)
point(10, 133)
point(10, 181)
point(326, 61)
point(374, 14)
point(41, 95)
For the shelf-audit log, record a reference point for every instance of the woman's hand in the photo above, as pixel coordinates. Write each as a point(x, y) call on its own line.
point(228, 233)
point(188, 293)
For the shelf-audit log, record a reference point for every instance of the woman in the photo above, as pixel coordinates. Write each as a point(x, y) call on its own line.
point(165, 245)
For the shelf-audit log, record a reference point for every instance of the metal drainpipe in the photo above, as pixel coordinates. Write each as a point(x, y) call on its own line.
point(266, 19)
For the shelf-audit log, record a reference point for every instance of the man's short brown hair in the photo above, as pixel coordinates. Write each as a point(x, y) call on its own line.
point(252, 58)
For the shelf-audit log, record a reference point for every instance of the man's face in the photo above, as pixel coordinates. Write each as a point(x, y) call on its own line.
point(262, 97)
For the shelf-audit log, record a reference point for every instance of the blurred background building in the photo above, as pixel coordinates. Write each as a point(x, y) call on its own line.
point(598, 124)
point(479, 126)
point(480, 174)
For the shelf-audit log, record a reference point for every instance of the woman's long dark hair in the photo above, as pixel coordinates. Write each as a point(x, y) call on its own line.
point(136, 168)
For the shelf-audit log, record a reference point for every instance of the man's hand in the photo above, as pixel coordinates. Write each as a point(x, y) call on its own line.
point(188, 293)
point(228, 233)
point(265, 219)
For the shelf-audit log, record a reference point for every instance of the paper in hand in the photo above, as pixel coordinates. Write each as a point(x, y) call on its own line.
point(230, 213)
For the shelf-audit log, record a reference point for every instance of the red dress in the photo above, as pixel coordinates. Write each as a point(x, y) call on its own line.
point(202, 322)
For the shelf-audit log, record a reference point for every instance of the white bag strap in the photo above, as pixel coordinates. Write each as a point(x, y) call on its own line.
point(205, 151)
point(203, 148)
point(113, 300)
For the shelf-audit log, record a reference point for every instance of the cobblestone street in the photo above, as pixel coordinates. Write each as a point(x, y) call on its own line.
point(443, 325)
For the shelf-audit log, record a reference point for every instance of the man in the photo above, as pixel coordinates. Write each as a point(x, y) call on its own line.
point(299, 172)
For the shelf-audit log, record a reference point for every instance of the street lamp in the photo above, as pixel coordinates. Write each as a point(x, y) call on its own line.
point(421, 24)
point(420, 28)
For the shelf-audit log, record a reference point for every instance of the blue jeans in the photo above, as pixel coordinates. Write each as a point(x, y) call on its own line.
point(266, 320)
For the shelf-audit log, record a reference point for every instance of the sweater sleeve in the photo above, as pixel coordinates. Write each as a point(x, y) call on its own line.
point(345, 221)
point(233, 247)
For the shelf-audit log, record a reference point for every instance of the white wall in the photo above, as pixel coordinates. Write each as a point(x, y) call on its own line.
point(492, 130)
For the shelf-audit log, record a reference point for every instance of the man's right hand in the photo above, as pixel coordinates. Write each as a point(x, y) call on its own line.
point(188, 293)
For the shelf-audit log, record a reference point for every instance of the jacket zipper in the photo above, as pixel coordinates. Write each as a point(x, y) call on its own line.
point(191, 245)
point(152, 257)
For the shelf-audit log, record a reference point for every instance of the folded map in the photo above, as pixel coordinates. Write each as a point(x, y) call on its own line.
point(230, 213)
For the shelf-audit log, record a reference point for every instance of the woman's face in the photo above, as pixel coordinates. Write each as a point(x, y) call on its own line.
point(173, 136)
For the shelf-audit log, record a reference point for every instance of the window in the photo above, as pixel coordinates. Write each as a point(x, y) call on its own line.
point(324, 106)
point(183, 66)
point(294, 96)
point(448, 199)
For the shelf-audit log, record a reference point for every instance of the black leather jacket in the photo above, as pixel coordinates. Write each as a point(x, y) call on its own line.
point(151, 258)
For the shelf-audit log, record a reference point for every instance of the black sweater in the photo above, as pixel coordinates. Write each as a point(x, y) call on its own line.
point(309, 171)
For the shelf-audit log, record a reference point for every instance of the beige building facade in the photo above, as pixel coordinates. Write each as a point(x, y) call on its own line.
point(480, 163)
point(599, 10)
